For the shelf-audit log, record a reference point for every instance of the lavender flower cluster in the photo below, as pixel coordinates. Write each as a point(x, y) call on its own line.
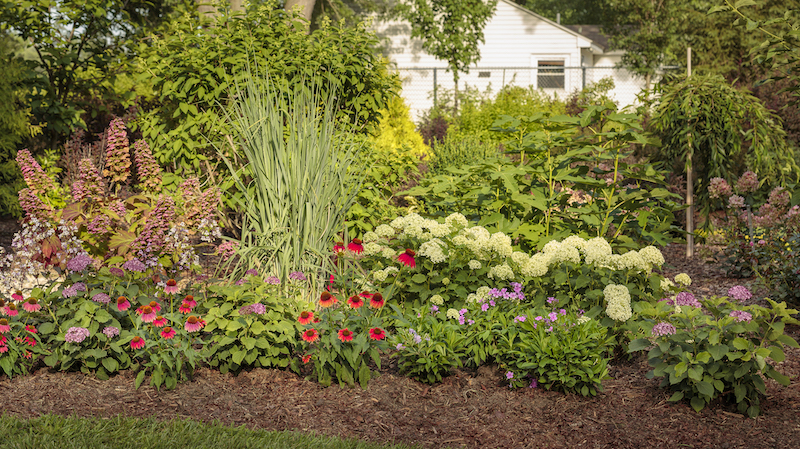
point(257, 308)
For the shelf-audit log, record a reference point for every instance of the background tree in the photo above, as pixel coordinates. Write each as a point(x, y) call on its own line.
point(451, 30)
point(573, 12)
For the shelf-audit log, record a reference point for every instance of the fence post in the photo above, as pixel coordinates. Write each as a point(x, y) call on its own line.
point(583, 77)
point(434, 87)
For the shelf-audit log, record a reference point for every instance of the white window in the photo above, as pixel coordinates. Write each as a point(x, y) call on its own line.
point(550, 72)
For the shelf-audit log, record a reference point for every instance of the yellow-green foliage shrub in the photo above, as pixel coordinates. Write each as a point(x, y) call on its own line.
point(397, 135)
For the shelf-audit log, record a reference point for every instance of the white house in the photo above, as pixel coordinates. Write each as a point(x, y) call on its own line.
point(520, 47)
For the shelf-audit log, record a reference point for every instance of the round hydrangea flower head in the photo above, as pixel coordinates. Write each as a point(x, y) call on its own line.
point(741, 315)
point(111, 331)
point(780, 197)
point(683, 279)
point(619, 302)
point(76, 334)
point(739, 293)
point(536, 266)
point(719, 188)
point(101, 298)
point(452, 314)
point(474, 265)
point(575, 241)
point(652, 255)
point(747, 183)
point(437, 300)
point(666, 285)
point(632, 260)
point(272, 280)
point(686, 299)
point(503, 272)
point(663, 329)
point(596, 250)
point(118, 272)
point(736, 202)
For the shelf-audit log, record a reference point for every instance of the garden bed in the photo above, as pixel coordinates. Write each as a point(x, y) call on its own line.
point(468, 409)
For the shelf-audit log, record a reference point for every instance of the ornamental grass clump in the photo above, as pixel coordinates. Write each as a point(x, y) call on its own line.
point(715, 347)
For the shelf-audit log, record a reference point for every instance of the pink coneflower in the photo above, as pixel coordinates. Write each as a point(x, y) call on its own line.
point(17, 296)
point(148, 315)
point(377, 333)
point(189, 301)
point(31, 329)
point(327, 300)
point(137, 342)
point(194, 324)
point(155, 306)
point(376, 302)
point(11, 310)
point(345, 335)
point(160, 321)
point(172, 287)
point(310, 335)
point(32, 305)
point(123, 304)
point(356, 246)
point(355, 302)
point(4, 326)
point(185, 309)
point(167, 333)
point(407, 258)
point(338, 248)
point(305, 317)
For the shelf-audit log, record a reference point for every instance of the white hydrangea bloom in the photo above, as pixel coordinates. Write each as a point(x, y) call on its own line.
point(446, 281)
point(618, 300)
point(483, 292)
point(683, 279)
point(413, 231)
point(632, 260)
point(452, 314)
point(503, 272)
point(474, 265)
point(414, 219)
point(536, 266)
point(575, 242)
point(432, 249)
point(666, 285)
point(652, 255)
point(391, 270)
point(558, 252)
point(385, 230)
point(596, 250)
point(519, 258)
point(477, 233)
point(370, 236)
point(437, 300)
point(398, 223)
point(500, 244)
point(440, 230)
point(456, 220)
point(379, 275)
point(372, 248)
point(459, 240)
point(389, 253)
point(472, 297)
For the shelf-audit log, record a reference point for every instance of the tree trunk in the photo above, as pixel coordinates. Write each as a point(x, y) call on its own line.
point(237, 7)
point(306, 7)
point(206, 9)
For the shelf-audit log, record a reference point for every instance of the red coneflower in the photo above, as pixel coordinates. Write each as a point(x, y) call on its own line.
point(147, 313)
point(167, 333)
point(376, 302)
point(377, 333)
point(345, 335)
point(310, 335)
point(4, 326)
point(407, 258)
point(327, 300)
point(189, 300)
point(355, 302)
point(338, 248)
point(11, 310)
point(194, 324)
point(184, 308)
point(365, 294)
point(160, 321)
point(32, 305)
point(123, 304)
point(355, 246)
point(155, 306)
point(137, 342)
point(306, 358)
point(305, 317)
point(172, 287)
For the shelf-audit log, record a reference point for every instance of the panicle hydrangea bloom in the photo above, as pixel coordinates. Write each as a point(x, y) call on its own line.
point(118, 161)
point(663, 329)
point(37, 180)
point(146, 166)
point(739, 293)
point(99, 224)
point(747, 183)
point(686, 299)
point(33, 206)
point(683, 279)
point(736, 201)
point(741, 315)
point(437, 300)
point(779, 197)
point(536, 266)
point(474, 265)
point(76, 334)
point(151, 239)
point(619, 302)
point(433, 250)
point(90, 185)
point(719, 188)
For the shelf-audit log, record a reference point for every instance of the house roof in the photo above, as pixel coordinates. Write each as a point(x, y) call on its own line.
point(597, 41)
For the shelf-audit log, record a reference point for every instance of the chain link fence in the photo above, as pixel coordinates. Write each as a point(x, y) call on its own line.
point(423, 88)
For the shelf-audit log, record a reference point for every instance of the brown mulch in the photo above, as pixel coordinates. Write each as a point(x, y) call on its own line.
point(468, 409)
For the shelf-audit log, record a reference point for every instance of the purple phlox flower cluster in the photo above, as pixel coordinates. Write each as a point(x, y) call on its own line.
point(581, 312)
point(462, 316)
point(553, 316)
point(101, 298)
point(252, 272)
point(663, 329)
point(134, 265)
point(415, 336)
point(485, 307)
point(118, 159)
point(37, 180)
point(297, 276)
point(686, 299)
point(240, 281)
point(273, 280)
point(146, 166)
point(739, 293)
point(73, 290)
point(111, 331)
point(151, 240)
point(719, 188)
point(119, 272)
point(76, 334)
point(100, 224)
point(227, 249)
point(89, 185)
point(741, 315)
point(434, 309)
point(79, 262)
point(520, 318)
point(33, 206)
point(400, 346)
point(747, 183)
point(505, 294)
point(534, 383)
point(257, 308)
point(552, 300)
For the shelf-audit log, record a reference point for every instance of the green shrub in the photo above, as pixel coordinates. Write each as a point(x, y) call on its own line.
point(458, 150)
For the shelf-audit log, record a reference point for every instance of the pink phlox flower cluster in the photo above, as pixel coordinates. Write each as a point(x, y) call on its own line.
point(415, 336)
point(719, 188)
point(273, 280)
point(76, 334)
point(739, 293)
point(516, 295)
point(686, 299)
point(741, 315)
point(520, 318)
point(35, 177)
point(663, 329)
point(150, 241)
point(227, 249)
point(79, 262)
point(257, 308)
point(747, 183)
point(146, 166)
point(118, 158)
point(89, 185)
